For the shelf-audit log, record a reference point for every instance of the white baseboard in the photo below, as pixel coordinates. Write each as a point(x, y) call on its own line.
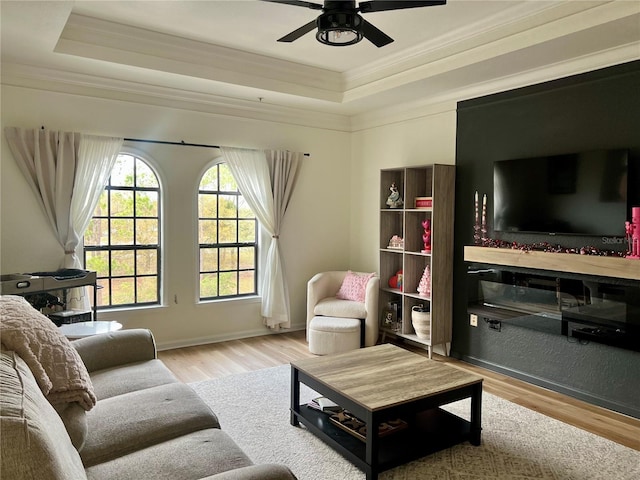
point(192, 342)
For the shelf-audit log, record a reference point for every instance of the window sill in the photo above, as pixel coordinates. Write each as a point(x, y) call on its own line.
point(248, 299)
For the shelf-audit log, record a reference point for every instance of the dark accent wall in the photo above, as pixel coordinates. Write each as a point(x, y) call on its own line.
point(592, 111)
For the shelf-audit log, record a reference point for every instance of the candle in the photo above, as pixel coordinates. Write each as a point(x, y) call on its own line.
point(484, 212)
point(476, 208)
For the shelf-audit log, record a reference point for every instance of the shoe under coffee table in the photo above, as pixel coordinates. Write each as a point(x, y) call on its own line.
point(382, 384)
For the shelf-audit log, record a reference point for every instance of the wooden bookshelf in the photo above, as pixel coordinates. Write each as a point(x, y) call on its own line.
point(436, 182)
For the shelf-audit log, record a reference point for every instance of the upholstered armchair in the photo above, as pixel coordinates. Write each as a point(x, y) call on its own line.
point(326, 294)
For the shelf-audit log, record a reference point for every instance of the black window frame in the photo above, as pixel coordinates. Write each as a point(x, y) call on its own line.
point(110, 247)
point(219, 245)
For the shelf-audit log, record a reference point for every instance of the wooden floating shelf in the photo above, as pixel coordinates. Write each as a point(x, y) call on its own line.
point(617, 267)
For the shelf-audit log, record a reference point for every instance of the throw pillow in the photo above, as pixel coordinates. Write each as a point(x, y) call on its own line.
point(55, 364)
point(354, 286)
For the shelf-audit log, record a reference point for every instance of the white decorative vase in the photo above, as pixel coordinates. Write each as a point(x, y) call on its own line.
point(421, 321)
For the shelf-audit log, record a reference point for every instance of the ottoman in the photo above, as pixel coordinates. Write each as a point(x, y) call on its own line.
point(334, 335)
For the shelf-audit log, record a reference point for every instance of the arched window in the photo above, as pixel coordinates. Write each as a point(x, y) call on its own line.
point(227, 237)
point(122, 242)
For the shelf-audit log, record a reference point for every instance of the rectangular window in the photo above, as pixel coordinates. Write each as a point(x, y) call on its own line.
point(227, 230)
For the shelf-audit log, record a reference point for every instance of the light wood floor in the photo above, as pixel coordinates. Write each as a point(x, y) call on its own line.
point(193, 364)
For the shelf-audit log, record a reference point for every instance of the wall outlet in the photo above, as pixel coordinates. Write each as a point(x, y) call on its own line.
point(473, 320)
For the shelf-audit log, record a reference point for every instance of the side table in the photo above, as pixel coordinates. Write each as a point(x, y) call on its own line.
point(87, 329)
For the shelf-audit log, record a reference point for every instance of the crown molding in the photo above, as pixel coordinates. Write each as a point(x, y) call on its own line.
point(119, 90)
point(549, 24)
point(46, 79)
point(510, 20)
point(126, 91)
point(123, 44)
point(448, 100)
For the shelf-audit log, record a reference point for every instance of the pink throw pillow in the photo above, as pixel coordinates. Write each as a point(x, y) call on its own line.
point(354, 286)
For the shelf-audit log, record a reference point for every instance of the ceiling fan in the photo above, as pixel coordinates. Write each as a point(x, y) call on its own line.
point(339, 24)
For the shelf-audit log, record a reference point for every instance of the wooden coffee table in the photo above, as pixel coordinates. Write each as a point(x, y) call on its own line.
point(383, 383)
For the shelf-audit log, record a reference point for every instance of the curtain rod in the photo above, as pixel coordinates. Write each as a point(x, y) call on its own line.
point(180, 143)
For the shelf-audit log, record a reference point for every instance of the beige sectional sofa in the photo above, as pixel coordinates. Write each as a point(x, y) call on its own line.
point(145, 423)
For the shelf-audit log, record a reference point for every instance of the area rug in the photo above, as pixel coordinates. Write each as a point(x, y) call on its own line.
point(517, 443)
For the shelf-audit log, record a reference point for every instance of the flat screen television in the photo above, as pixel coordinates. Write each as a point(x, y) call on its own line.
point(582, 193)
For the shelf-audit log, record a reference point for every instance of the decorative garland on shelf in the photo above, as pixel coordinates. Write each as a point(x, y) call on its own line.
point(548, 247)
point(480, 239)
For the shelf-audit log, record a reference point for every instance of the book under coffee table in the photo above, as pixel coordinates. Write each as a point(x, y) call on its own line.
point(381, 384)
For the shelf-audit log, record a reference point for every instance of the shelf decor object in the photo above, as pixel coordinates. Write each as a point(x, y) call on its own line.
point(395, 281)
point(547, 247)
point(394, 200)
point(476, 225)
point(483, 227)
point(423, 202)
point(424, 287)
point(632, 229)
point(426, 260)
point(389, 318)
point(421, 321)
point(396, 242)
point(426, 236)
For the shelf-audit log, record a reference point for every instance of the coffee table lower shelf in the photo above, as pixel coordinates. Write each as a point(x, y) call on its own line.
point(428, 432)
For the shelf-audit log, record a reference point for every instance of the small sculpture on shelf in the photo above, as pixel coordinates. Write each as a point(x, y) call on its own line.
point(424, 287)
point(394, 200)
point(396, 280)
point(396, 242)
point(426, 236)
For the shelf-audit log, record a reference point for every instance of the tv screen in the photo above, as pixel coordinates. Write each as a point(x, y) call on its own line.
point(576, 194)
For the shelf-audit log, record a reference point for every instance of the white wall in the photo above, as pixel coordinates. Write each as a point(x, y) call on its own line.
point(315, 233)
point(428, 139)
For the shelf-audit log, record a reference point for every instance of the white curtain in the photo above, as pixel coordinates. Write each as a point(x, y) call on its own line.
point(266, 181)
point(67, 171)
point(96, 158)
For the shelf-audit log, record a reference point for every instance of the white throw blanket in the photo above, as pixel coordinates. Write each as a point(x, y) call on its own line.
point(55, 364)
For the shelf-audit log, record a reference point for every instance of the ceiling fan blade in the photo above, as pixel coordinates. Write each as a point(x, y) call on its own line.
point(297, 3)
point(296, 34)
point(381, 6)
point(375, 35)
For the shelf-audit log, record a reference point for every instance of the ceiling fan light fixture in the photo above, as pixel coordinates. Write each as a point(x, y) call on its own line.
point(339, 29)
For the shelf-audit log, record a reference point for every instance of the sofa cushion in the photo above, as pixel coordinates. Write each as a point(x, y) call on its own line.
point(189, 457)
point(110, 382)
point(74, 418)
point(335, 307)
point(33, 441)
point(126, 423)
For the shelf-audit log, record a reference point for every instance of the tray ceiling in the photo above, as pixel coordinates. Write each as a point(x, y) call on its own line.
point(226, 51)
